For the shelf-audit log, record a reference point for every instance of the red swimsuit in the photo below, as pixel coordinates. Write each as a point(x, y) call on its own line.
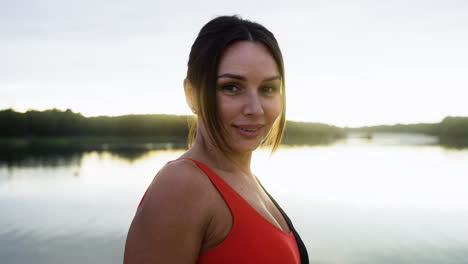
point(252, 238)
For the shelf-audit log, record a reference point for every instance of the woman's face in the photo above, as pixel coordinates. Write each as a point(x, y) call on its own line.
point(248, 94)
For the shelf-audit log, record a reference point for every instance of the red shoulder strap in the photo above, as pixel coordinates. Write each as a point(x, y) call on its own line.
point(232, 198)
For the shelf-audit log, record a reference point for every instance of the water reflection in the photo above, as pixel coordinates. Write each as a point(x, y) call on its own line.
point(53, 157)
point(385, 200)
point(408, 139)
point(20, 157)
point(34, 156)
point(452, 143)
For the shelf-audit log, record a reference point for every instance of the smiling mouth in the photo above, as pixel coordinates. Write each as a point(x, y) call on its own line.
point(248, 129)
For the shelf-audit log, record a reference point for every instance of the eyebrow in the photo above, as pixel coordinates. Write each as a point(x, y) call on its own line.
point(242, 78)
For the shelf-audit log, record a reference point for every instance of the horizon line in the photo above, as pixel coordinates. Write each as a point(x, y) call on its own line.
point(172, 114)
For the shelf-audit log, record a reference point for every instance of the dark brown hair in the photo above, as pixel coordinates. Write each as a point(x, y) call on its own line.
point(213, 39)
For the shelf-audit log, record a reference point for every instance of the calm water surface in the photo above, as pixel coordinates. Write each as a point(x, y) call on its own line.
point(390, 200)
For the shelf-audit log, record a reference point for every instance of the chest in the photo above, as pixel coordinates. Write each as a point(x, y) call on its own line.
point(243, 232)
point(245, 205)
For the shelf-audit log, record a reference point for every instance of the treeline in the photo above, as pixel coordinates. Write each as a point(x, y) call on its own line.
point(311, 133)
point(57, 123)
point(455, 127)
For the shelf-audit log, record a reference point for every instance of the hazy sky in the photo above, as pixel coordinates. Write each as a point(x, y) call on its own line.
point(348, 62)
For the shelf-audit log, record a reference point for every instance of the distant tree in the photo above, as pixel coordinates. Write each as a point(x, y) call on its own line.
point(12, 123)
point(454, 126)
point(311, 133)
point(54, 122)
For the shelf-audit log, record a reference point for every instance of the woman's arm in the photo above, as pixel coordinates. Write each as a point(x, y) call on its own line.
point(170, 224)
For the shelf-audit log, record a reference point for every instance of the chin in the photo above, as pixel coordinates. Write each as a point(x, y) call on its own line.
point(245, 148)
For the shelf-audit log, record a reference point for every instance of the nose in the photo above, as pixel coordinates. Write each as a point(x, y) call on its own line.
point(253, 104)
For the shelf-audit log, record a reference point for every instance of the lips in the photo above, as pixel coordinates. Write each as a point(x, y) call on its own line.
point(249, 130)
point(246, 127)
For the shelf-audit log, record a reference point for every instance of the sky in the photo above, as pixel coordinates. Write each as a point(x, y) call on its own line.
point(348, 62)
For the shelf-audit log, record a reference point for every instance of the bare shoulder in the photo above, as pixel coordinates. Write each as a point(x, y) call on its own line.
point(178, 178)
point(171, 222)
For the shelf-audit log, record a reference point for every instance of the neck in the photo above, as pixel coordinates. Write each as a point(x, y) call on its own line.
point(203, 148)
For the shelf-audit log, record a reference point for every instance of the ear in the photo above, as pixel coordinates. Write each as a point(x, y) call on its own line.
point(190, 96)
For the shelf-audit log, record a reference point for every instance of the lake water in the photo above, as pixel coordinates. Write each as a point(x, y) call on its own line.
point(387, 200)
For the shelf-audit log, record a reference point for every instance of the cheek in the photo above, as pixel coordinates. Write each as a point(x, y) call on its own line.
point(226, 107)
point(274, 108)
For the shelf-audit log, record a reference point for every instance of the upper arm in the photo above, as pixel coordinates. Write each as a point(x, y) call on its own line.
point(170, 224)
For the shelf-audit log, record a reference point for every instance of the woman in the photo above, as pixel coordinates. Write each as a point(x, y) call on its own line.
point(207, 206)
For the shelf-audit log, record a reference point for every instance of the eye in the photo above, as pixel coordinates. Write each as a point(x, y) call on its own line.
point(269, 90)
point(230, 89)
